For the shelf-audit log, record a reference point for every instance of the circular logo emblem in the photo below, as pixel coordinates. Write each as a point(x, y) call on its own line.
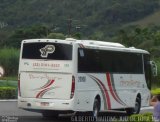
point(48, 49)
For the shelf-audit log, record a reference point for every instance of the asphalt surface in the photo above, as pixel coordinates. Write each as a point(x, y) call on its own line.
point(10, 113)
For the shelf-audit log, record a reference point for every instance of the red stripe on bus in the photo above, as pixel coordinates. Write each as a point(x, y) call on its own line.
point(48, 84)
point(100, 86)
point(110, 86)
point(81, 46)
point(41, 92)
point(106, 93)
point(114, 94)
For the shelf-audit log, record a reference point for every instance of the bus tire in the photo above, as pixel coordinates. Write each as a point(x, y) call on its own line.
point(96, 108)
point(136, 109)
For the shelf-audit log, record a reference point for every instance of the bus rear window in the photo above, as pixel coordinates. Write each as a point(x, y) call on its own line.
point(43, 50)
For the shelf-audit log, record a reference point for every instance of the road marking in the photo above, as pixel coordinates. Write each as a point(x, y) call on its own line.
point(11, 100)
point(146, 108)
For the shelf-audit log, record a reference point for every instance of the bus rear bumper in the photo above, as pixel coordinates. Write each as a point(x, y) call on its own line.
point(45, 104)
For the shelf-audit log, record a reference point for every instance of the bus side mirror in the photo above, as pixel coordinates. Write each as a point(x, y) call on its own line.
point(153, 68)
point(1, 71)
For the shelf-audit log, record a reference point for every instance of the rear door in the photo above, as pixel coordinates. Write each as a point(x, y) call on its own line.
point(46, 70)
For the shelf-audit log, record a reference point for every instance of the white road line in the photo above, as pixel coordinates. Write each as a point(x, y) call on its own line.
point(146, 108)
point(11, 100)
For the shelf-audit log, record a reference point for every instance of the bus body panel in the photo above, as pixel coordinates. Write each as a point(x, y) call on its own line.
point(45, 85)
point(49, 66)
point(45, 104)
point(116, 91)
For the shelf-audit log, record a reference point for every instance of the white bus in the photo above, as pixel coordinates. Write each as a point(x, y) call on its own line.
point(58, 76)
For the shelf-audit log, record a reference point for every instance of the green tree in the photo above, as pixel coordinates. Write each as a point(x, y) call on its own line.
point(157, 38)
point(38, 31)
point(77, 36)
point(56, 36)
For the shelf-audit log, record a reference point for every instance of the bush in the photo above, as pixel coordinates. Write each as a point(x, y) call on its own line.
point(146, 117)
point(155, 91)
point(8, 83)
point(9, 60)
point(7, 93)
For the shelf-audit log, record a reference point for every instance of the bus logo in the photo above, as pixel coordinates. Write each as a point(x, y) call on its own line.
point(48, 49)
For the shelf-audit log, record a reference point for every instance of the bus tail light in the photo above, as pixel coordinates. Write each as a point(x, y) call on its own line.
point(72, 87)
point(19, 89)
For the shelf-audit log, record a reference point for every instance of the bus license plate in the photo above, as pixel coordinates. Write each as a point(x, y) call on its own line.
point(44, 104)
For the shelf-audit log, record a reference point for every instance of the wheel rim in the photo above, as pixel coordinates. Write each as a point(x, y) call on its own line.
point(136, 109)
point(95, 110)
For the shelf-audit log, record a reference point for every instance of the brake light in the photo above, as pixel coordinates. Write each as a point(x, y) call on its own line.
point(19, 90)
point(72, 87)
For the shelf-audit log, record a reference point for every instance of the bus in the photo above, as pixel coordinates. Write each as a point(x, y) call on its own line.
point(62, 76)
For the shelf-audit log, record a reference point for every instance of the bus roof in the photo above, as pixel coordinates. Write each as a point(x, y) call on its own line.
point(92, 44)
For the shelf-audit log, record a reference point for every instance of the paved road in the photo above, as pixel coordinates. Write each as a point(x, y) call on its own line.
point(10, 113)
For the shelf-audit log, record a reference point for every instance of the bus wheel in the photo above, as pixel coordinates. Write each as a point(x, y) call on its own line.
point(96, 108)
point(136, 109)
